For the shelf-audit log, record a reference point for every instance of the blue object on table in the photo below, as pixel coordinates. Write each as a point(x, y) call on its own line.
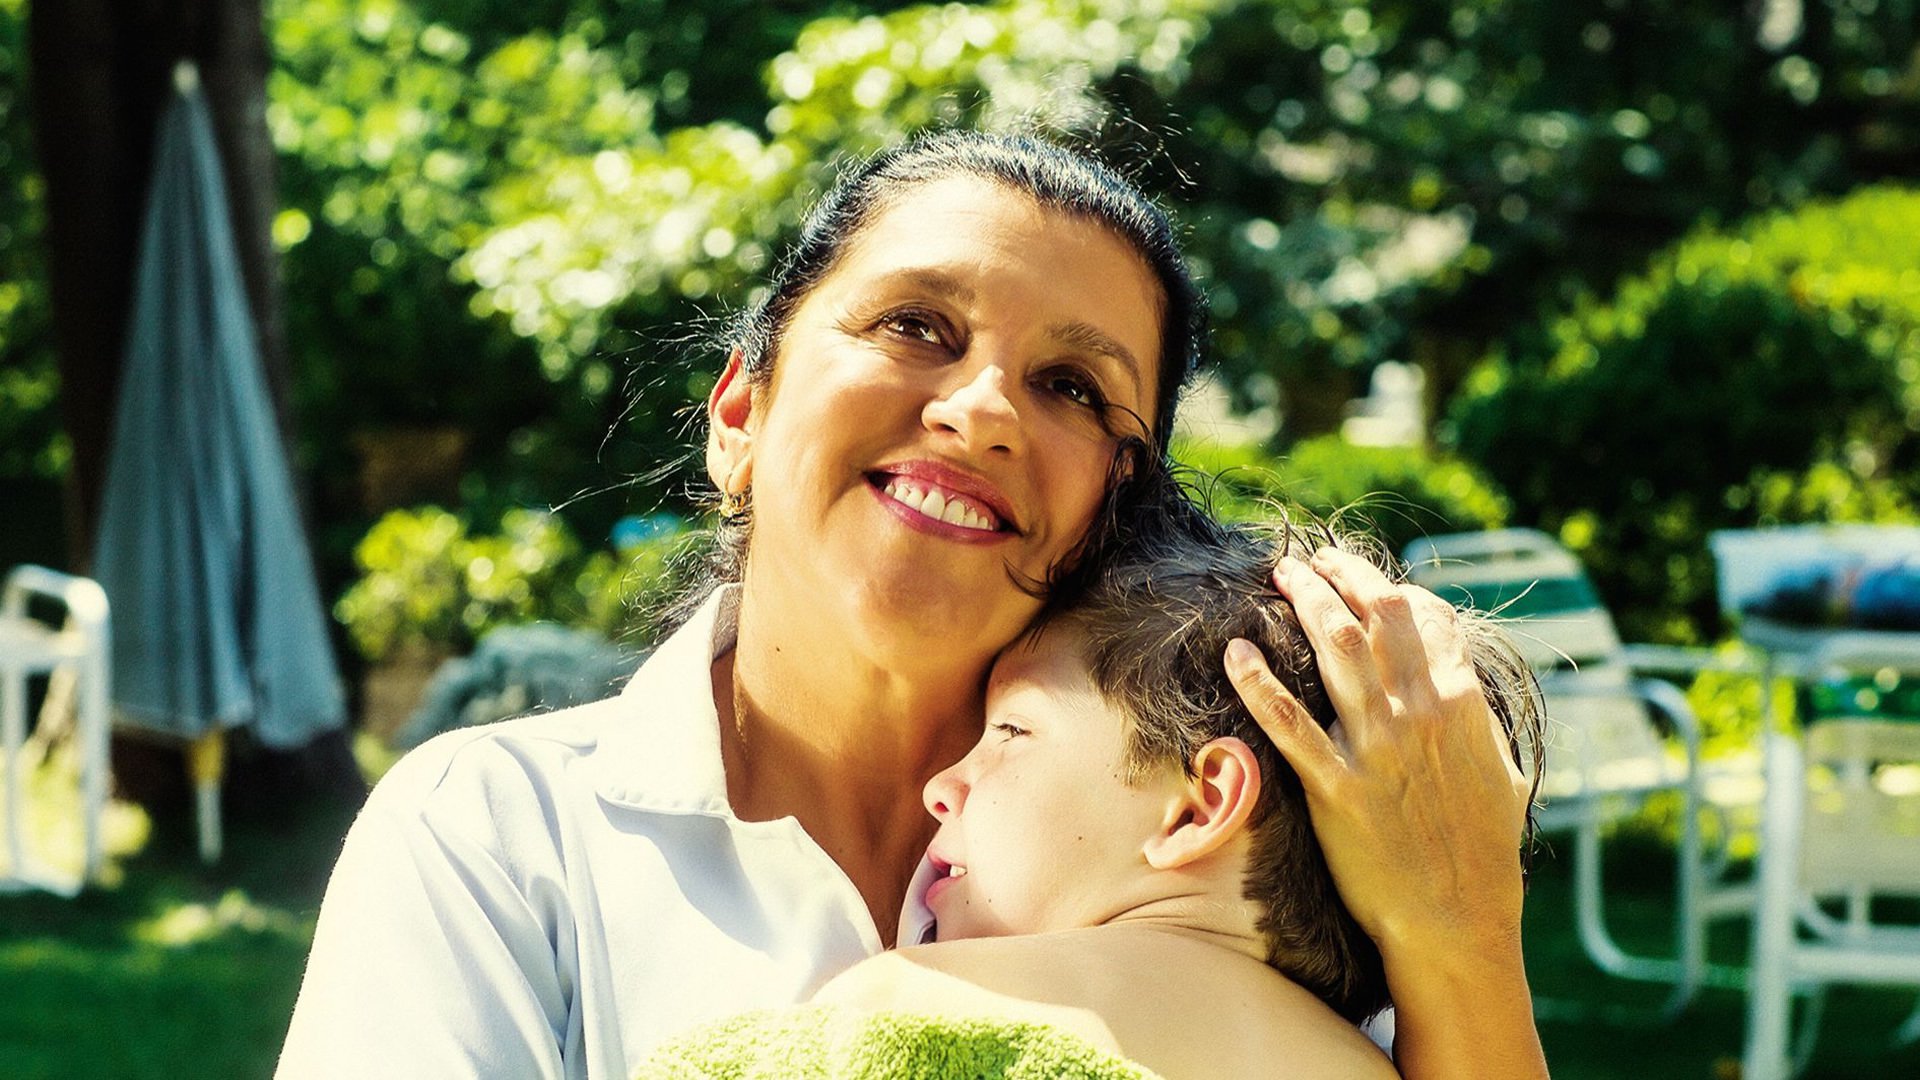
point(1887, 596)
point(1882, 595)
point(634, 530)
point(217, 620)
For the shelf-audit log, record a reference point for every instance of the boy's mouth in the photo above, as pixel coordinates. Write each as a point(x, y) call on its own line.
point(944, 875)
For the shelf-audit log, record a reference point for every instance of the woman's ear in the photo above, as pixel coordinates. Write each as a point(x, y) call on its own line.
point(730, 424)
point(1215, 803)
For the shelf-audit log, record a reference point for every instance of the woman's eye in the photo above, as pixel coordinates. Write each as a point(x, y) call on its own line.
point(913, 325)
point(1076, 388)
point(1009, 730)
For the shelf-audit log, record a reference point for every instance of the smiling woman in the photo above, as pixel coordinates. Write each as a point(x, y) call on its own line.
point(944, 361)
point(916, 436)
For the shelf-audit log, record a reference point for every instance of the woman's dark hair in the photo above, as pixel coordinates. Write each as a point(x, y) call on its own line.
point(1054, 176)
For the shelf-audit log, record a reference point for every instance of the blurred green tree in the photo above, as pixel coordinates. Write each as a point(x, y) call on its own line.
point(33, 453)
point(1393, 493)
point(1768, 374)
point(1395, 179)
point(524, 218)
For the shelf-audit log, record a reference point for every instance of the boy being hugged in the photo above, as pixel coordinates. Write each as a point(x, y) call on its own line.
point(1125, 865)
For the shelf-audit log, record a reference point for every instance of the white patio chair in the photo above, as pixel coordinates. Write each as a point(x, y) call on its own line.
point(75, 651)
point(1842, 827)
point(1605, 753)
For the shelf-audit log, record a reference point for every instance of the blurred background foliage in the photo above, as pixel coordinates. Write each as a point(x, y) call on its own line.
point(1396, 493)
point(1617, 238)
point(32, 451)
point(1766, 374)
point(429, 585)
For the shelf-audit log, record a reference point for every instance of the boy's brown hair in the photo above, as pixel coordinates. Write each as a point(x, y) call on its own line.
point(1156, 618)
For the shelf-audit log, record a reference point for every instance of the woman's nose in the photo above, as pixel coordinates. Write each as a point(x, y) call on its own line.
point(944, 794)
point(979, 412)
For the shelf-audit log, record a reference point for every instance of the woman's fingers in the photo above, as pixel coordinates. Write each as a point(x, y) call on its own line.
point(1411, 798)
point(1340, 645)
point(1386, 610)
point(1287, 722)
point(1462, 699)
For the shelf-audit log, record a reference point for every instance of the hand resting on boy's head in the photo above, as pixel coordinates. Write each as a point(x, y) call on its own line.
point(1416, 799)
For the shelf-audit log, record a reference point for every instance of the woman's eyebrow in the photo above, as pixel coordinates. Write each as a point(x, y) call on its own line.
point(940, 283)
point(1091, 339)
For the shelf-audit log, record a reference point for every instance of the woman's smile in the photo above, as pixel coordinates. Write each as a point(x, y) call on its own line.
point(945, 501)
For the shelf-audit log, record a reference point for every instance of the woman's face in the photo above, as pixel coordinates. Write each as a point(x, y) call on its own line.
point(940, 414)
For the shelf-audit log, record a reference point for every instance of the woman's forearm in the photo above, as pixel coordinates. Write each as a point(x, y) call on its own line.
point(1464, 1011)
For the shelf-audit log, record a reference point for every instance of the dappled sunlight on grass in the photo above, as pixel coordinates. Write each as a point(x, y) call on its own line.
point(191, 923)
point(192, 969)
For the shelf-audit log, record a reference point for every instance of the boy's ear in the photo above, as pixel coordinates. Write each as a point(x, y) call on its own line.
point(1214, 805)
point(730, 423)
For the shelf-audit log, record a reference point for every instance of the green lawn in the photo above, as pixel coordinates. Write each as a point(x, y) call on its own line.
point(1705, 1041)
point(183, 971)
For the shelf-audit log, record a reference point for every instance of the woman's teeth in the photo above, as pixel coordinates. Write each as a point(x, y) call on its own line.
point(956, 871)
point(936, 506)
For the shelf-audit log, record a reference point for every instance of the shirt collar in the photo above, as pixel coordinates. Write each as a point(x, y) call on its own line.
point(665, 752)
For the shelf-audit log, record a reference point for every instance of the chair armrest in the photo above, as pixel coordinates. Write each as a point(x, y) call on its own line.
point(84, 600)
point(1670, 701)
point(1665, 700)
point(1686, 660)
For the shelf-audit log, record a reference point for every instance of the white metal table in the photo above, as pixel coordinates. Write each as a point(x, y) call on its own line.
point(1850, 950)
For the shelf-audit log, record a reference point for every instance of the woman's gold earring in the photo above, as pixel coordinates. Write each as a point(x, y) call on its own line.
point(734, 504)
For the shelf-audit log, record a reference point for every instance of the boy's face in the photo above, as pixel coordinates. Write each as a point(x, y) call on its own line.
point(1039, 830)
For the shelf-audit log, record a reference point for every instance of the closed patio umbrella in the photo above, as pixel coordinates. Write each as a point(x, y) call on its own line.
point(217, 622)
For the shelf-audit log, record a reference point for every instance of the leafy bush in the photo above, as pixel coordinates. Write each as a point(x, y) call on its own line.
point(33, 450)
point(1765, 375)
point(428, 584)
point(1395, 493)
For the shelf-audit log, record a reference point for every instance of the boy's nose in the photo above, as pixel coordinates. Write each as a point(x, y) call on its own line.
point(944, 793)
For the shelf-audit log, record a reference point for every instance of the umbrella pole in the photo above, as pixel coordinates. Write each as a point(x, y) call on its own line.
point(206, 764)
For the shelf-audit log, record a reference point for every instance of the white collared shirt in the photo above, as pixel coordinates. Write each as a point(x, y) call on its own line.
point(552, 896)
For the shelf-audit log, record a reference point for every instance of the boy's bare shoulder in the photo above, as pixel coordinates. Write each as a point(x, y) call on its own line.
point(1164, 1004)
point(990, 978)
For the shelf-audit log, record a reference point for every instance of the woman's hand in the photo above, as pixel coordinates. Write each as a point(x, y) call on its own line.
point(1414, 793)
point(1418, 805)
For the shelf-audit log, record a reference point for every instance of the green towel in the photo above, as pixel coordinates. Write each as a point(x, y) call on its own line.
point(836, 1043)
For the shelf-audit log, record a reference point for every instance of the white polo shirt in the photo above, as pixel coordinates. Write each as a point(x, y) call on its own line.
point(551, 896)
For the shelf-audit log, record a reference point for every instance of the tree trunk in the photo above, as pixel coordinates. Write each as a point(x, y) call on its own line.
point(101, 72)
point(1313, 397)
